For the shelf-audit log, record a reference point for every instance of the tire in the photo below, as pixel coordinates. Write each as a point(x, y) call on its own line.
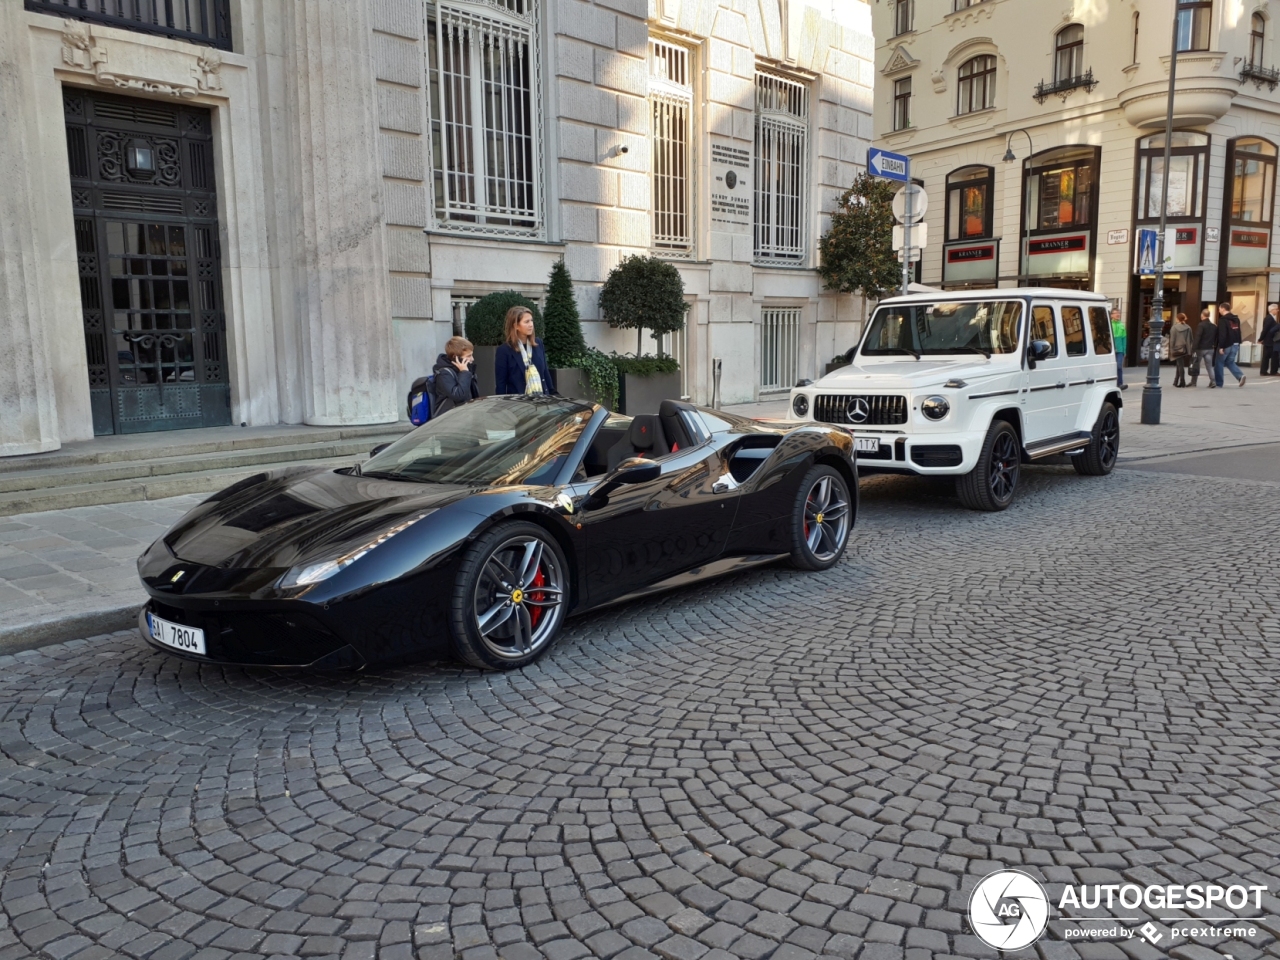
point(992, 483)
point(1099, 458)
point(510, 597)
point(821, 519)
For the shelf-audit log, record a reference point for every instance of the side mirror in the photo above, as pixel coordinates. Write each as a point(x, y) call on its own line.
point(1039, 350)
point(632, 470)
point(378, 449)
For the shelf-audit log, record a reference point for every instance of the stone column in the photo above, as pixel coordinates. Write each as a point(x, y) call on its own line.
point(342, 308)
point(28, 412)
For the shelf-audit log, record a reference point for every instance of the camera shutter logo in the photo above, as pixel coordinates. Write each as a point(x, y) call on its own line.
point(1009, 910)
point(858, 410)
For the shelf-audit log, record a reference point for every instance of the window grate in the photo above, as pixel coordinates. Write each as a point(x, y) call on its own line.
point(671, 104)
point(486, 123)
point(200, 21)
point(781, 168)
point(779, 347)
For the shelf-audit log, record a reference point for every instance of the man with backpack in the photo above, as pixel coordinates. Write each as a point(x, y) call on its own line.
point(1228, 345)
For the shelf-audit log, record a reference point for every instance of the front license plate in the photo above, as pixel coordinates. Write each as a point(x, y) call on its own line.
point(186, 639)
point(866, 444)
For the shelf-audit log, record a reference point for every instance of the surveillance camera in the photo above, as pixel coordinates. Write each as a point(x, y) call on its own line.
point(624, 149)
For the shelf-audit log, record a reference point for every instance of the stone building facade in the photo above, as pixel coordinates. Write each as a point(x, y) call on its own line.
point(250, 211)
point(1077, 92)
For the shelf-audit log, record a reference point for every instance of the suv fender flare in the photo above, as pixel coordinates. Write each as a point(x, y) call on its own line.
point(1013, 417)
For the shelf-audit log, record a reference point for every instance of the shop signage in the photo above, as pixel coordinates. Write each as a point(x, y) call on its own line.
point(1249, 249)
point(1057, 245)
point(967, 262)
point(1248, 238)
point(1188, 235)
point(1211, 234)
point(1058, 254)
point(969, 254)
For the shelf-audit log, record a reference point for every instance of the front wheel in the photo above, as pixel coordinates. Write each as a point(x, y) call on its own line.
point(823, 516)
point(991, 484)
point(510, 597)
point(1099, 457)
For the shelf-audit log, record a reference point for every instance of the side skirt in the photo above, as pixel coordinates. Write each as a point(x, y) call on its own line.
point(717, 568)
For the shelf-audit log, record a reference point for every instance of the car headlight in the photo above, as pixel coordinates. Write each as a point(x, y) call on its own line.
point(800, 405)
point(320, 570)
point(936, 408)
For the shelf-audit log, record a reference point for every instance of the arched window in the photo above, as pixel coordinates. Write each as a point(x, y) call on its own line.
point(977, 84)
point(1195, 17)
point(969, 198)
point(1068, 60)
point(1253, 181)
point(1257, 37)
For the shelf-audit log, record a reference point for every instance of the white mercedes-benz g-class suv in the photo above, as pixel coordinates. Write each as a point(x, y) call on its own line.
point(974, 384)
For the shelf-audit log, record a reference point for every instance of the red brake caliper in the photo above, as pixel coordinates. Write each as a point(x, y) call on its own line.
point(540, 580)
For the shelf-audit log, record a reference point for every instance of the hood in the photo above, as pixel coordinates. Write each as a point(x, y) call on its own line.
point(908, 373)
point(279, 519)
point(441, 363)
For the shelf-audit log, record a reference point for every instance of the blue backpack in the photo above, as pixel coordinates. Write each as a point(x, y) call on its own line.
point(419, 403)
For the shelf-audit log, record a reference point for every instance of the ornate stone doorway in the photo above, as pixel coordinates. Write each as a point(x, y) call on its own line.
point(146, 228)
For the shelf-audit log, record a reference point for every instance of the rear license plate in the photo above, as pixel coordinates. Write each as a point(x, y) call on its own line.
point(186, 639)
point(866, 444)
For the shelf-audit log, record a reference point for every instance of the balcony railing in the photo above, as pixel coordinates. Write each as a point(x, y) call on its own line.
point(199, 21)
point(1260, 75)
point(1061, 88)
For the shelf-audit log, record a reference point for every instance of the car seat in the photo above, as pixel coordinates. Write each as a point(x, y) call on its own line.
point(645, 438)
point(673, 426)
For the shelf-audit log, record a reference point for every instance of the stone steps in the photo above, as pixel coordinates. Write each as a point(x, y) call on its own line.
point(105, 473)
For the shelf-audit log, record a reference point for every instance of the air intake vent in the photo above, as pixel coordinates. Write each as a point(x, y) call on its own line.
point(860, 410)
point(148, 113)
point(129, 201)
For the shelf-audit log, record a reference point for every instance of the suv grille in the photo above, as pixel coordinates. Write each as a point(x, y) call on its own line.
point(880, 411)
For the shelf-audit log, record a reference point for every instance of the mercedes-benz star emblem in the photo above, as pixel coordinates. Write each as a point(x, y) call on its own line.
point(858, 410)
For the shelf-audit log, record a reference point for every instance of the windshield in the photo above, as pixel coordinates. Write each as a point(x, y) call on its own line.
point(494, 441)
point(981, 326)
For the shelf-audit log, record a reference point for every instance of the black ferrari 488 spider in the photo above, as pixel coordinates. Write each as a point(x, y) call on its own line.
point(485, 528)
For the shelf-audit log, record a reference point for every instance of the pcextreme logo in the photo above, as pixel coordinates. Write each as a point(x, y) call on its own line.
point(1009, 910)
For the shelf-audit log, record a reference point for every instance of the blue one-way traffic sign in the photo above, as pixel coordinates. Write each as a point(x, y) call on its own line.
point(891, 166)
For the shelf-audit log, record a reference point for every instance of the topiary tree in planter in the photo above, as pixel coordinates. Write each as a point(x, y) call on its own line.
point(644, 293)
point(485, 326)
point(857, 252)
point(561, 325)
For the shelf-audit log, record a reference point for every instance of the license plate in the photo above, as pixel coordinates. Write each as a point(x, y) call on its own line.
point(866, 444)
point(186, 639)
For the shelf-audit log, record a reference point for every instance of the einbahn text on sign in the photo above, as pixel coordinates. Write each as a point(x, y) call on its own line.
point(890, 166)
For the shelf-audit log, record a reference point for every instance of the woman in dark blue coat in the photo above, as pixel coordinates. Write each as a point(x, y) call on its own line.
point(520, 364)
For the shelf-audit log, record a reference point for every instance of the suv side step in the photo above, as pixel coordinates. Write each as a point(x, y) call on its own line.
point(1047, 448)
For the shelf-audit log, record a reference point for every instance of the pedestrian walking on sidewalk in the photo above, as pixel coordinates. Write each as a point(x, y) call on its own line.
point(1180, 348)
point(1206, 346)
point(1228, 345)
point(1270, 340)
point(455, 380)
point(1119, 338)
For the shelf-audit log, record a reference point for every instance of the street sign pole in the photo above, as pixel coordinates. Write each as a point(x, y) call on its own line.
point(906, 236)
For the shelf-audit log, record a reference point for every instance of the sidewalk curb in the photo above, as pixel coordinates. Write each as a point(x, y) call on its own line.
point(14, 638)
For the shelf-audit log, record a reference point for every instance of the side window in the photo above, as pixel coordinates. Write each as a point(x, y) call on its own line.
point(1100, 323)
point(1073, 331)
point(1042, 327)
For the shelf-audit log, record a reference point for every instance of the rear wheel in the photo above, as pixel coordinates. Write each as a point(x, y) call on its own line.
point(991, 484)
point(510, 597)
point(1099, 457)
point(822, 519)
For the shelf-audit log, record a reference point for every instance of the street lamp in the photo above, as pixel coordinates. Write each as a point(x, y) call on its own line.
point(1151, 391)
point(1024, 254)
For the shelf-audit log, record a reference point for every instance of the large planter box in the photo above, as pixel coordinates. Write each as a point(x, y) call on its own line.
point(836, 365)
point(484, 370)
point(574, 384)
point(638, 395)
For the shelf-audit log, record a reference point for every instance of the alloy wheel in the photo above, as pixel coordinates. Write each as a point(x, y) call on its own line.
point(1109, 440)
point(519, 597)
point(826, 518)
point(1003, 476)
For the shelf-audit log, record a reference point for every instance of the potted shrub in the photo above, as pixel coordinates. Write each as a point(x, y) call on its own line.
point(579, 371)
point(485, 327)
point(645, 293)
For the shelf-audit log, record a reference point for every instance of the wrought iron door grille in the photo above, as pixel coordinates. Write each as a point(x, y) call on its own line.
point(199, 21)
point(779, 347)
point(881, 411)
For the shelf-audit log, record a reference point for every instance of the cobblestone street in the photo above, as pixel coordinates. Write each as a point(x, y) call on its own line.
point(773, 765)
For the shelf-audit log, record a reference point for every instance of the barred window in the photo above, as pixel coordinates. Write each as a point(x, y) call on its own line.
point(671, 106)
point(781, 168)
point(485, 117)
point(779, 347)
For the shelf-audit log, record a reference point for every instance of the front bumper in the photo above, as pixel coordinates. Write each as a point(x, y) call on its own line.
point(932, 454)
point(270, 635)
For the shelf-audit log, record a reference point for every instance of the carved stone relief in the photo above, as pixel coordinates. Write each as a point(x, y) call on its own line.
point(82, 51)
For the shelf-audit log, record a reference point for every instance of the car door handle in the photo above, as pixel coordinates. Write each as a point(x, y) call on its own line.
point(1061, 385)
